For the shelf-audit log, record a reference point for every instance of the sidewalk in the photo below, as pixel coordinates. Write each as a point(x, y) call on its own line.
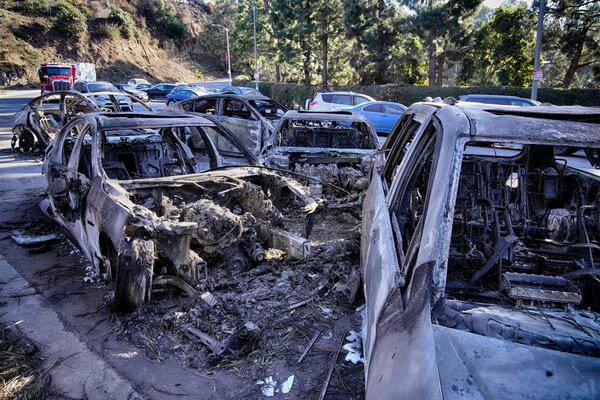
point(75, 371)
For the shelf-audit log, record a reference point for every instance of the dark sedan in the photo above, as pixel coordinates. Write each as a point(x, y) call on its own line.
point(160, 91)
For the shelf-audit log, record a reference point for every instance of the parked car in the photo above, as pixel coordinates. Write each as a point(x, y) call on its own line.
point(142, 205)
point(514, 101)
point(138, 81)
point(477, 261)
point(132, 91)
point(241, 90)
point(499, 99)
point(104, 101)
point(42, 118)
point(251, 118)
point(336, 101)
point(159, 91)
point(383, 115)
point(334, 150)
point(184, 92)
point(142, 86)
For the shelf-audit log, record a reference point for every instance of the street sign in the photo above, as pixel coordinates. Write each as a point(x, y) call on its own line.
point(538, 74)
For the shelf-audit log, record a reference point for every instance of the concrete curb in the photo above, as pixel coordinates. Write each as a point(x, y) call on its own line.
point(75, 371)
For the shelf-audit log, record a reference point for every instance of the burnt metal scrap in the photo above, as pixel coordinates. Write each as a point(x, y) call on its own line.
point(480, 255)
point(140, 204)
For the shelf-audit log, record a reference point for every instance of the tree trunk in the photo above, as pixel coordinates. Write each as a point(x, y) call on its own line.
point(574, 64)
point(440, 62)
point(277, 73)
point(431, 58)
point(380, 57)
point(325, 44)
point(306, 61)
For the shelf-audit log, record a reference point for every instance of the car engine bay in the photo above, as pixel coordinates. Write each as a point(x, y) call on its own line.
point(525, 237)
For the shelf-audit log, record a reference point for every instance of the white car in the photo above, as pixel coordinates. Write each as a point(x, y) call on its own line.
point(336, 101)
point(137, 81)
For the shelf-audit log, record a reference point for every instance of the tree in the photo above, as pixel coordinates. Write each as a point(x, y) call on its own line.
point(372, 28)
point(579, 22)
point(295, 28)
point(502, 50)
point(444, 26)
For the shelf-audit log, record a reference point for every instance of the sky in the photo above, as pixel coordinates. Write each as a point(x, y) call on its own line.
point(496, 3)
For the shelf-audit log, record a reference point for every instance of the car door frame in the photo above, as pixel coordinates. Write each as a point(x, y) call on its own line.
point(76, 184)
point(260, 137)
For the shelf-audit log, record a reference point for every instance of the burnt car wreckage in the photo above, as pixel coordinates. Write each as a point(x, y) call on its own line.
point(253, 118)
point(332, 150)
point(140, 204)
point(480, 262)
point(44, 117)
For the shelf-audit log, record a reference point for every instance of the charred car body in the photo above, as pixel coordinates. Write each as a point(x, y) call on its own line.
point(336, 148)
point(480, 262)
point(139, 203)
point(43, 117)
point(252, 118)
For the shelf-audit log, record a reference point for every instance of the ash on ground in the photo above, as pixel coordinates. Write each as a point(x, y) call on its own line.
point(289, 301)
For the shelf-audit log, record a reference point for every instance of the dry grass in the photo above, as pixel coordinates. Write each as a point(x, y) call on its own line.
point(20, 374)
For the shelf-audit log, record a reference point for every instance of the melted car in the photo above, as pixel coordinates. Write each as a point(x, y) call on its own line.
point(334, 150)
point(43, 117)
point(480, 254)
point(141, 204)
point(251, 117)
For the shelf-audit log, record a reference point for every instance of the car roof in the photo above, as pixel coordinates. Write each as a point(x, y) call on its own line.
point(496, 96)
point(561, 125)
point(237, 96)
point(342, 92)
point(380, 102)
point(130, 120)
point(325, 115)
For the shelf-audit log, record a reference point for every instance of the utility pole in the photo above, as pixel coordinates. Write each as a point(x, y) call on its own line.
point(255, 51)
point(228, 53)
point(537, 71)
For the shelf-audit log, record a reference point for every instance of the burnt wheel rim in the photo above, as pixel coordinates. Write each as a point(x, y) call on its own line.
point(26, 142)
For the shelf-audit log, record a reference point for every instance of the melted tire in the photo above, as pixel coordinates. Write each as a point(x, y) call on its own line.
point(134, 276)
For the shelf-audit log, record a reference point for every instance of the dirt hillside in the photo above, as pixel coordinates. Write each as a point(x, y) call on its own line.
point(156, 39)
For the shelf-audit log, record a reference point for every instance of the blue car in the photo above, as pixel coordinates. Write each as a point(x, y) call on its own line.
point(383, 115)
point(183, 93)
point(499, 99)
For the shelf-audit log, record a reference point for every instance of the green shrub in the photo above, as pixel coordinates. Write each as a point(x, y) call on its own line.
point(30, 6)
point(123, 20)
point(198, 74)
point(70, 20)
point(164, 16)
point(109, 31)
point(292, 94)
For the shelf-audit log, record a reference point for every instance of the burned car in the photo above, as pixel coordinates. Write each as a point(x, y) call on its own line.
point(479, 262)
point(252, 118)
point(141, 205)
point(335, 148)
point(43, 117)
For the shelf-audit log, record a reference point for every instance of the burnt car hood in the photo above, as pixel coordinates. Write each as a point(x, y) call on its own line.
point(473, 366)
